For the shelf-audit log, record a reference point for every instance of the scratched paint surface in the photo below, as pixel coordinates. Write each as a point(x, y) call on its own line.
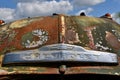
point(89, 32)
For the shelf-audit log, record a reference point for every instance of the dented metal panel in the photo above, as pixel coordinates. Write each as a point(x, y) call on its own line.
point(92, 33)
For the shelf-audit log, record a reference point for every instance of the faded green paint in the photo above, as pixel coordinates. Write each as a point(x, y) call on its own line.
point(95, 28)
point(28, 36)
point(71, 23)
point(90, 32)
point(88, 21)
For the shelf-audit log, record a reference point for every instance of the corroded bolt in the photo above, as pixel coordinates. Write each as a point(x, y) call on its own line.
point(62, 69)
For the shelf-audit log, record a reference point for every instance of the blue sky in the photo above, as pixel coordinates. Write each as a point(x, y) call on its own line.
point(16, 9)
point(109, 6)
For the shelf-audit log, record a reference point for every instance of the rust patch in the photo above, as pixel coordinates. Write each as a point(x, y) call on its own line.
point(90, 36)
point(72, 30)
point(90, 69)
point(43, 32)
point(71, 36)
point(112, 40)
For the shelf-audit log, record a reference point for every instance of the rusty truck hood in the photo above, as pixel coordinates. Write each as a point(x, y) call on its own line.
point(99, 34)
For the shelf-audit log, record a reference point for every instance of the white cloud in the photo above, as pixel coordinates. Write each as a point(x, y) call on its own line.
point(42, 8)
point(87, 2)
point(87, 11)
point(30, 8)
point(6, 14)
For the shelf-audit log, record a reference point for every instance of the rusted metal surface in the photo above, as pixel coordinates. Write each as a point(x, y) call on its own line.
point(28, 33)
point(94, 33)
point(91, 33)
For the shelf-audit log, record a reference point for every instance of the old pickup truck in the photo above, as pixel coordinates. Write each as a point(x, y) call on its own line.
point(60, 47)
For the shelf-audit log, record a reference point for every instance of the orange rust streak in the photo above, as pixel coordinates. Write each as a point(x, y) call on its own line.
point(62, 29)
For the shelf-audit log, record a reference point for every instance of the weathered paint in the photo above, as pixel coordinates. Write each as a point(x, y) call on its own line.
point(94, 32)
point(89, 32)
point(26, 33)
point(41, 37)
